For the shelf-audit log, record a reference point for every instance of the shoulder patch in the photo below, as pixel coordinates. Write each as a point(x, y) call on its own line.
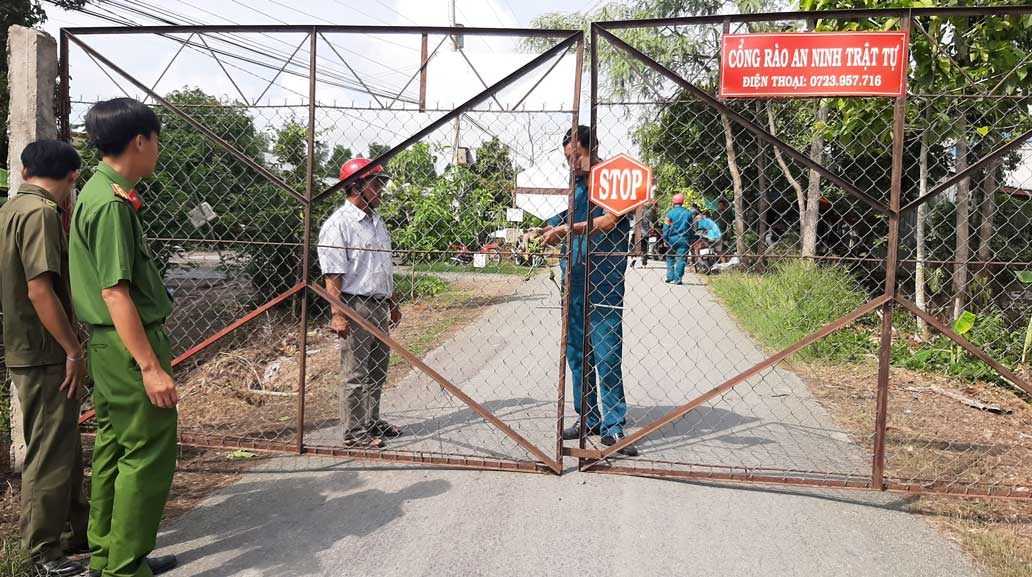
point(129, 197)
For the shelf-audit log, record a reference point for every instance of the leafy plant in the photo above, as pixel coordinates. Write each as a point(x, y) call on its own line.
point(1025, 277)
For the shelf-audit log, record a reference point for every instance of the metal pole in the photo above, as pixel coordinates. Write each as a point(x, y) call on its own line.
point(586, 352)
point(302, 338)
point(577, 79)
point(891, 264)
point(424, 57)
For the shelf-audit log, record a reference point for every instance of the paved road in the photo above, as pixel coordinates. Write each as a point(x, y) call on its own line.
point(322, 518)
point(317, 517)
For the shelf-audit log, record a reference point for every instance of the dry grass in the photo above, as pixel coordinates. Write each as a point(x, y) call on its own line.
point(932, 437)
point(251, 391)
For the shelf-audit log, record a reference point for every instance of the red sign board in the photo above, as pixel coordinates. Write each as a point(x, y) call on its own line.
point(813, 64)
point(621, 184)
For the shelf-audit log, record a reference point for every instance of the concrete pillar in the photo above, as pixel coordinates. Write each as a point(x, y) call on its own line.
point(32, 80)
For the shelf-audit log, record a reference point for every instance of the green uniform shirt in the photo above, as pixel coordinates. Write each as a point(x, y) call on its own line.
point(32, 242)
point(107, 246)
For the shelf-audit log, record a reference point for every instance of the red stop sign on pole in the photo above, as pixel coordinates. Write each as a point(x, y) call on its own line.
point(621, 184)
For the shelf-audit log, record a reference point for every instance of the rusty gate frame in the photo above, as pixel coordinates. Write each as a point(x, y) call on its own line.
point(567, 40)
point(589, 460)
point(598, 460)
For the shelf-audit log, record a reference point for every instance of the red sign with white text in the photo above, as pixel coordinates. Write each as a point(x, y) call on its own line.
point(813, 64)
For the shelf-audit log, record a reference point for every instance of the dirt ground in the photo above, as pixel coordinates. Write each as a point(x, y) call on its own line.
point(932, 436)
point(251, 392)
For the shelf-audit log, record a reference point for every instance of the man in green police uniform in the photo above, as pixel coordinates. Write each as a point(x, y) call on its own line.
point(44, 356)
point(118, 290)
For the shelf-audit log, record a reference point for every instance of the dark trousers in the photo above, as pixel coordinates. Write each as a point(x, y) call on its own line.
point(54, 507)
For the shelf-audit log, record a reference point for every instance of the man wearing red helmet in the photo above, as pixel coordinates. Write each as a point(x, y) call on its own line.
point(355, 257)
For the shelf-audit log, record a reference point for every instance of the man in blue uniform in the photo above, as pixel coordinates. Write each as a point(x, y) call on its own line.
point(609, 234)
point(677, 232)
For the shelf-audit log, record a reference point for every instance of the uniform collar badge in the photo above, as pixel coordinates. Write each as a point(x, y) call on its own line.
point(130, 196)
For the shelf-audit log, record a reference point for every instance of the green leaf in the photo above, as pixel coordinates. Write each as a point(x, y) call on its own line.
point(982, 130)
point(1025, 276)
point(964, 323)
point(1028, 341)
point(235, 455)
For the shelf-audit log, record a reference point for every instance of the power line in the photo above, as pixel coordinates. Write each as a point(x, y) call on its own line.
point(385, 5)
point(357, 54)
point(402, 46)
point(342, 81)
point(204, 50)
point(331, 65)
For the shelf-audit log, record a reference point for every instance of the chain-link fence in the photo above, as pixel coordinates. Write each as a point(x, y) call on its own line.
point(245, 208)
point(788, 351)
point(805, 192)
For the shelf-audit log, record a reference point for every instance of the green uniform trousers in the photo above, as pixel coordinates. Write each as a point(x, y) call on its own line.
point(54, 507)
point(133, 459)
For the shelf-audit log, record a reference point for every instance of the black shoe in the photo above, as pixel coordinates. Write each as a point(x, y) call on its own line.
point(158, 565)
point(163, 564)
point(629, 450)
point(62, 567)
point(573, 432)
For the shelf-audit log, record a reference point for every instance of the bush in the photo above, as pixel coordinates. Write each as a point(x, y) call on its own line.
point(795, 300)
point(988, 331)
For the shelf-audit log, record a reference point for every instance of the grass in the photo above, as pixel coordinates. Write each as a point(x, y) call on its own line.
point(431, 327)
point(411, 287)
point(795, 300)
point(500, 268)
point(1003, 552)
point(14, 562)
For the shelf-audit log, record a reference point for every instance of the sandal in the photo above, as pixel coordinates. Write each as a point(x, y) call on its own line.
point(364, 442)
point(385, 429)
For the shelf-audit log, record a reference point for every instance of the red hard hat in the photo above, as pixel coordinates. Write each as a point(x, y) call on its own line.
point(356, 164)
point(678, 198)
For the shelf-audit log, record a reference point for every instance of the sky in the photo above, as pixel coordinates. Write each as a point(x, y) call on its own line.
point(385, 63)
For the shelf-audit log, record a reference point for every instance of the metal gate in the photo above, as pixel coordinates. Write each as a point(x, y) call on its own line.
point(473, 384)
point(826, 203)
point(742, 398)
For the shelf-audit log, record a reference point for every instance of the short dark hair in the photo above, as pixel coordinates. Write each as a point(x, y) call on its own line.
point(113, 124)
point(50, 159)
point(583, 136)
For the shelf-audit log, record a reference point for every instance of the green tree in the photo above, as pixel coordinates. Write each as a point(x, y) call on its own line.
point(193, 170)
point(22, 13)
point(376, 149)
point(338, 157)
point(496, 170)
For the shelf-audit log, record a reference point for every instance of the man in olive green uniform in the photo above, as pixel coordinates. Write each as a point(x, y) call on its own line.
point(44, 356)
point(118, 290)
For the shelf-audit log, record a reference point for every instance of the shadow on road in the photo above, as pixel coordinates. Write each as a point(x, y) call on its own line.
point(302, 516)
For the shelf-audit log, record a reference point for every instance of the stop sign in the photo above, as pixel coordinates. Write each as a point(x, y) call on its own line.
point(621, 184)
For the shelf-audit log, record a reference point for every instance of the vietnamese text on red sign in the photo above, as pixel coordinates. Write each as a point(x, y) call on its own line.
point(814, 64)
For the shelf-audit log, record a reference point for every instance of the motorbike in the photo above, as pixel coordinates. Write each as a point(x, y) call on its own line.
point(463, 255)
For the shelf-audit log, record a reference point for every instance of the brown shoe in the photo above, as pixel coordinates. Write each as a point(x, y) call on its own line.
point(385, 429)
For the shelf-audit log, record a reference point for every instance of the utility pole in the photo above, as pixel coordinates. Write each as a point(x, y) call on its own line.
point(456, 46)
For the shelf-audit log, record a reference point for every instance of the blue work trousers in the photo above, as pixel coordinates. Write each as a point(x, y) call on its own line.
point(675, 262)
point(604, 353)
